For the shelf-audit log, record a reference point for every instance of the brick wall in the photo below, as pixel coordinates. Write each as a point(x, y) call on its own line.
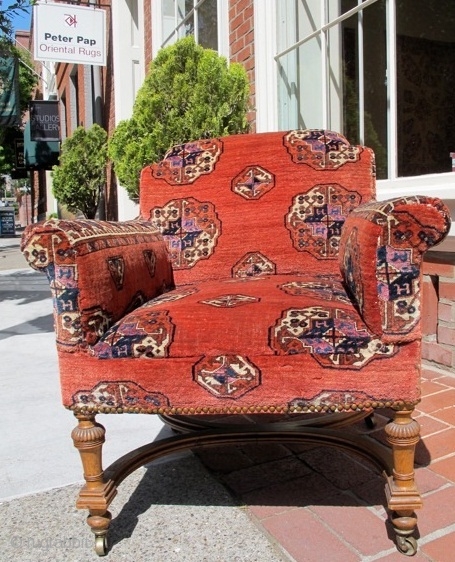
point(438, 308)
point(147, 34)
point(241, 44)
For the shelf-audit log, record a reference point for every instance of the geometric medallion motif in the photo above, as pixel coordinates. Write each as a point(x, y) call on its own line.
point(324, 288)
point(70, 329)
point(230, 301)
point(171, 297)
point(117, 270)
point(253, 182)
point(328, 398)
point(143, 333)
point(253, 264)
point(351, 268)
point(315, 219)
point(37, 255)
point(120, 394)
point(335, 337)
point(150, 261)
point(398, 287)
point(66, 304)
point(397, 264)
point(184, 163)
point(96, 321)
point(320, 149)
point(227, 376)
point(190, 229)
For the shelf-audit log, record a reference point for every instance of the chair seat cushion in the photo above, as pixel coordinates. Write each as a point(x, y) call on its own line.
point(266, 315)
point(229, 345)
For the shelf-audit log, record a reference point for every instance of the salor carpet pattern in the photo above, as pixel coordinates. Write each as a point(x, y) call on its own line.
point(263, 277)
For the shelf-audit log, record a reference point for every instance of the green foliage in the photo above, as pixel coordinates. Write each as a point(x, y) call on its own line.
point(27, 83)
point(189, 93)
point(28, 80)
point(81, 174)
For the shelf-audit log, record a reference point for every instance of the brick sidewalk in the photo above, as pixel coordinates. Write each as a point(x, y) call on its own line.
point(322, 504)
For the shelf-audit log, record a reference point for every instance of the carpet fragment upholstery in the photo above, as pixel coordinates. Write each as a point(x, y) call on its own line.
point(262, 277)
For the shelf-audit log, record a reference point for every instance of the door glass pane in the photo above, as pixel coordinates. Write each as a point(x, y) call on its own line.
point(168, 8)
point(309, 16)
point(350, 82)
point(425, 85)
point(207, 24)
point(375, 83)
point(364, 82)
point(184, 10)
point(336, 79)
point(300, 87)
point(184, 7)
point(168, 18)
point(335, 9)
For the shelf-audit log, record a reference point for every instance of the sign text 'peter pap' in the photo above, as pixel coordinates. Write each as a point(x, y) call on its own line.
point(66, 39)
point(68, 33)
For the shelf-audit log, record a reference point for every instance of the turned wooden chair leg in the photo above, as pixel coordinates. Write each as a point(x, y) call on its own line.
point(96, 495)
point(403, 434)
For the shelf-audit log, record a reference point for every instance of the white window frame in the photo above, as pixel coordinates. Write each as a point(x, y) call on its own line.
point(266, 79)
point(437, 185)
point(129, 68)
point(222, 26)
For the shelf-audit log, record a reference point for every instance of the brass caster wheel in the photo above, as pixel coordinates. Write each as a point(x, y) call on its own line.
point(101, 545)
point(407, 545)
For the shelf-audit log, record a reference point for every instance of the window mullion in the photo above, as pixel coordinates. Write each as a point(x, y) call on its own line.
point(324, 67)
point(391, 78)
point(361, 77)
point(196, 5)
point(325, 27)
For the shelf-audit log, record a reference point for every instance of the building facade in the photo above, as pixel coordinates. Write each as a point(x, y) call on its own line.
point(379, 71)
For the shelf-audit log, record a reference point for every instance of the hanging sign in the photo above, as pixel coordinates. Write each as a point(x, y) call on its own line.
point(69, 33)
point(19, 154)
point(9, 91)
point(39, 155)
point(44, 121)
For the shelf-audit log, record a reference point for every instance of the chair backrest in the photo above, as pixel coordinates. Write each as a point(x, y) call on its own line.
point(256, 204)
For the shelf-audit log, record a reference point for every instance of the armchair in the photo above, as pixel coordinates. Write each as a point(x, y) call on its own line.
point(262, 279)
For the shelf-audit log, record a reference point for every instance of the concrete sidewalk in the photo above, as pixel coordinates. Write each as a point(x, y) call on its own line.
point(242, 503)
point(40, 471)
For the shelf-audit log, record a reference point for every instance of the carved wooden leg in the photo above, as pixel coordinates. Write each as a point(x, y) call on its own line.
point(96, 495)
point(403, 433)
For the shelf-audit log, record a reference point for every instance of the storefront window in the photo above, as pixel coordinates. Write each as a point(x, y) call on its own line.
point(425, 85)
point(379, 71)
point(190, 17)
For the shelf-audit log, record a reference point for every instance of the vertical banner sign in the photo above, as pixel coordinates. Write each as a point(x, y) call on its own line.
point(19, 155)
point(9, 91)
point(44, 121)
point(69, 33)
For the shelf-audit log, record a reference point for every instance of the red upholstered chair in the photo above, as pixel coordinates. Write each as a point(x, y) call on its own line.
point(262, 278)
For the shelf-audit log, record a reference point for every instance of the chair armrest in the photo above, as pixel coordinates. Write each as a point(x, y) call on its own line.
point(381, 250)
point(98, 271)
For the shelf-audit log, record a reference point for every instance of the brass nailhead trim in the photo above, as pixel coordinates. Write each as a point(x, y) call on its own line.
point(396, 405)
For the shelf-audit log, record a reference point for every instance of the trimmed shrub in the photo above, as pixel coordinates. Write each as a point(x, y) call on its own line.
point(189, 93)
